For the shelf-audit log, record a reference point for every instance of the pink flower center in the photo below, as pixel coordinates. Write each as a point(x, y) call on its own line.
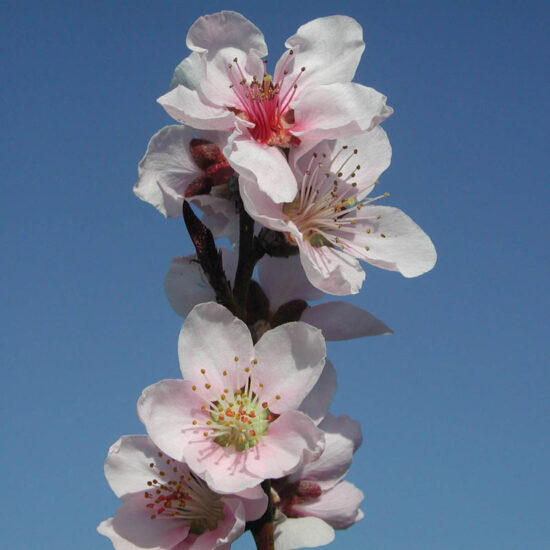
point(176, 493)
point(263, 103)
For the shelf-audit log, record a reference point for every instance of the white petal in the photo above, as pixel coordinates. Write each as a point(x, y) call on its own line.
point(395, 241)
point(210, 339)
point(342, 437)
point(189, 73)
point(219, 39)
point(371, 151)
point(261, 206)
point(338, 506)
point(329, 48)
point(343, 321)
point(345, 426)
point(166, 169)
point(262, 165)
point(290, 361)
point(254, 501)
point(338, 110)
point(190, 107)
point(220, 215)
point(127, 464)
point(167, 409)
point(132, 523)
point(291, 441)
point(283, 279)
point(186, 285)
point(330, 270)
point(225, 29)
point(309, 532)
point(317, 402)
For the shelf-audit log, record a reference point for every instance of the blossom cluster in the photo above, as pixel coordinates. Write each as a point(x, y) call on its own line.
point(282, 165)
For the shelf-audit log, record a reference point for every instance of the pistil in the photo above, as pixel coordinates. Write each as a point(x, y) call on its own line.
point(261, 102)
point(176, 493)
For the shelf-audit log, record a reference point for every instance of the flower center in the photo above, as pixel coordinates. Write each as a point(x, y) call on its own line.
point(237, 417)
point(176, 493)
point(262, 102)
point(240, 420)
point(326, 209)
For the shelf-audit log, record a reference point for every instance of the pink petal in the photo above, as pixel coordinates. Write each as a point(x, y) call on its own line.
point(329, 48)
point(166, 169)
point(395, 242)
point(186, 285)
point(229, 529)
point(132, 522)
point(220, 215)
point(210, 339)
point(106, 529)
point(308, 532)
point(219, 39)
point(373, 155)
point(264, 166)
point(254, 501)
point(168, 409)
point(225, 29)
point(283, 279)
point(338, 110)
point(127, 465)
point(290, 441)
point(191, 108)
point(318, 400)
point(341, 434)
point(290, 361)
point(261, 206)
point(189, 73)
point(338, 506)
point(330, 270)
point(345, 426)
point(343, 321)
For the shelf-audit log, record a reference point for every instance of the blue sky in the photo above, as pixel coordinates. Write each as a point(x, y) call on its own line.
point(454, 406)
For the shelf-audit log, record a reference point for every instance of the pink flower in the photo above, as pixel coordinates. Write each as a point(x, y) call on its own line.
point(284, 285)
point(223, 85)
point(315, 500)
point(166, 506)
point(234, 418)
point(183, 165)
point(333, 221)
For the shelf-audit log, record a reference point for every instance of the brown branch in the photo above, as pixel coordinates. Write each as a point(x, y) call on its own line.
point(262, 529)
point(209, 257)
point(250, 252)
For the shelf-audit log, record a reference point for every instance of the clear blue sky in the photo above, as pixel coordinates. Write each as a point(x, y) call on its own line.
point(454, 406)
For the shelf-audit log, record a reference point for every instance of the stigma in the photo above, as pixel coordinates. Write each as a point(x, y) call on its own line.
point(266, 102)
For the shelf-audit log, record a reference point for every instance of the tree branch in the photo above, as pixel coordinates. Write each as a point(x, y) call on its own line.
point(209, 257)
